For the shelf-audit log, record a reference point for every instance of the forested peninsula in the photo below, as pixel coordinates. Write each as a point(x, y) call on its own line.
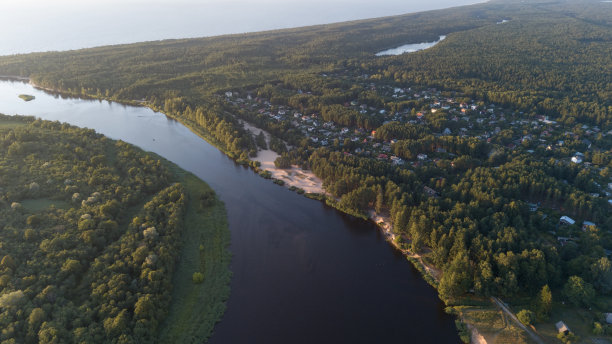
point(489, 154)
point(95, 238)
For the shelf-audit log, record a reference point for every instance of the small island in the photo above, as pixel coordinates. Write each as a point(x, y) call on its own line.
point(26, 97)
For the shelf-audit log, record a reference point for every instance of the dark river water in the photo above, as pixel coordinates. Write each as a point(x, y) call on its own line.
point(302, 272)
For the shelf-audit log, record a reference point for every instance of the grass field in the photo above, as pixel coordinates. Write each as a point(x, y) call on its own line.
point(10, 124)
point(40, 204)
point(493, 325)
point(197, 307)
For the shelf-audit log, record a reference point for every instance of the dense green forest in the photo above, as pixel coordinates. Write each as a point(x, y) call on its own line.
point(474, 148)
point(91, 234)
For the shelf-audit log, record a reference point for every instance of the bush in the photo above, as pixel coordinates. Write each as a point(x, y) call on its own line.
point(598, 330)
point(464, 332)
point(526, 316)
point(197, 277)
point(568, 338)
point(283, 161)
point(265, 174)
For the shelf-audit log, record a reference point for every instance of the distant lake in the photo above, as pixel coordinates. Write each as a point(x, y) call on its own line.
point(409, 48)
point(31, 25)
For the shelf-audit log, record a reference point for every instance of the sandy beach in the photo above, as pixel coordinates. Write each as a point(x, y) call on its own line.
point(294, 176)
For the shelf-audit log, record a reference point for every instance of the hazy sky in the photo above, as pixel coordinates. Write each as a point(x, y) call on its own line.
point(42, 25)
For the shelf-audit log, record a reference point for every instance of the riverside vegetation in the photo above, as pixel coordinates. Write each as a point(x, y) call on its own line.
point(95, 236)
point(526, 103)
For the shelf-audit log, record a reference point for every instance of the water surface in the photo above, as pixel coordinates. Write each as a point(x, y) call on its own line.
point(410, 48)
point(36, 25)
point(302, 272)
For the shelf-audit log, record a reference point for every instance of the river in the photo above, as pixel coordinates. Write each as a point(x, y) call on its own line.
point(302, 272)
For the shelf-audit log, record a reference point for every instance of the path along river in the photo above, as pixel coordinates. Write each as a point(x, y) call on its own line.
point(302, 272)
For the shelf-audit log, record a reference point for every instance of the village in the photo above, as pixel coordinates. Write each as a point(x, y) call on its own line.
point(442, 115)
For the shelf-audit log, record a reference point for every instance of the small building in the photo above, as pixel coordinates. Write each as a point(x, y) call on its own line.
point(576, 159)
point(430, 192)
point(566, 220)
point(562, 328)
point(532, 206)
point(608, 317)
point(422, 156)
point(563, 240)
point(587, 224)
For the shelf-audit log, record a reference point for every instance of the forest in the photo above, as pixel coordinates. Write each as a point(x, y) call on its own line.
point(481, 188)
point(91, 235)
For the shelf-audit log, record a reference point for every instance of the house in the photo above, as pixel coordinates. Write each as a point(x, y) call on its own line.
point(563, 240)
point(587, 224)
point(576, 159)
point(430, 192)
point(396, 161)
point(446, 131)
point(566, 220)
point(532, 206)
point(422, 156)
point(608, 317)
point(562, 328)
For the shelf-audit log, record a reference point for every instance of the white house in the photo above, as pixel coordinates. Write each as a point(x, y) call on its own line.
point(576, 159)
point(562, 328)
point(566, 220)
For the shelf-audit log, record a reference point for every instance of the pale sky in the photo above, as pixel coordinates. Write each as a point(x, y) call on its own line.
point(42, 25)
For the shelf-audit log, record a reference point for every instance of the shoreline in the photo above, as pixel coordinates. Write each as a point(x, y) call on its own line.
point(294, 176)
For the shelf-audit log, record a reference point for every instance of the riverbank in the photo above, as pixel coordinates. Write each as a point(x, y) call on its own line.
point(197, 307)
point(291, 177)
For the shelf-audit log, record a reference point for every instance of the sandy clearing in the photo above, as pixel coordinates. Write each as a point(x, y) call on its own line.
point(477, 338)
point(294, 176)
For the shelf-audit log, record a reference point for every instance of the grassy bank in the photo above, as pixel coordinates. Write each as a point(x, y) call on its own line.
point(196, 307)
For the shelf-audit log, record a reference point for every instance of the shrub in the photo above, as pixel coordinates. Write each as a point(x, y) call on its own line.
point(526, 316)
point(197, 277)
